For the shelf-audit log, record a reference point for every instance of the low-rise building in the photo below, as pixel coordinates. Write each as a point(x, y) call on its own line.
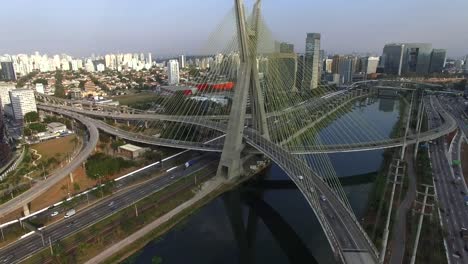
point(56, 127)
point(131, 151)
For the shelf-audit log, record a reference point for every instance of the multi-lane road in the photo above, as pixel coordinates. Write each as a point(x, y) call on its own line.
point(450, 195)
point(25, 247)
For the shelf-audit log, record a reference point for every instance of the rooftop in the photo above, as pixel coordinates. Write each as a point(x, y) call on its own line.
point(130, 147)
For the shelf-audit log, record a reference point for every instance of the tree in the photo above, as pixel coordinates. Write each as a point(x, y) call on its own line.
point(37, 127)
point(31, 117)
point(41, 80)
point(59, 89)
point(116, 144)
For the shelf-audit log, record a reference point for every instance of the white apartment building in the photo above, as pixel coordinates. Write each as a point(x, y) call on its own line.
point(173, 72)
point(5, 89)
point(22, 102)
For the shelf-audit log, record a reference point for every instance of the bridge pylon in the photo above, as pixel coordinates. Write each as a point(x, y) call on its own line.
point(230, 165)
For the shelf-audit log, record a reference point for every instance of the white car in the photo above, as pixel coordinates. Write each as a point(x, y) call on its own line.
point(54, 214)
point(323, 198)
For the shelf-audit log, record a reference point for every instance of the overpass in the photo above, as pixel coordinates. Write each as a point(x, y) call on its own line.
point(59, 174)
point(346, 237)
point(448, 126)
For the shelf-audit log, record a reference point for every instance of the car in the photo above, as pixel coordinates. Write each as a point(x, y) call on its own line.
point(111, 204)
point(300, 177)
point(70, 213)
point(323, 198)
point(456, 254)
point(54, 214)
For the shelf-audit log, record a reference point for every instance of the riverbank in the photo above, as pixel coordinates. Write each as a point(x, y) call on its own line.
point(131, 245)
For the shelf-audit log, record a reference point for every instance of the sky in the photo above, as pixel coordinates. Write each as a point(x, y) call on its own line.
point(171, 27)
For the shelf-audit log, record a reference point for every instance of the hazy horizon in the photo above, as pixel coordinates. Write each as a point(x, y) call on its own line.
point(168, 28)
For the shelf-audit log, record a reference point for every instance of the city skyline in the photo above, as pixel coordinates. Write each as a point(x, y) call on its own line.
point(124, 26)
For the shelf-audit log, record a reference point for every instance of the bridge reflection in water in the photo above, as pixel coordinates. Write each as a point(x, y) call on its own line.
point(264, 221)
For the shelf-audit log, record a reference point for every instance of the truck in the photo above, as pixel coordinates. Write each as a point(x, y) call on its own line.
point(69, 213)
point(189, 163)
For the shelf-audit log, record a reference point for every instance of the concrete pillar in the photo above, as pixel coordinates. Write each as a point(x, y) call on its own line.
point(26, 209)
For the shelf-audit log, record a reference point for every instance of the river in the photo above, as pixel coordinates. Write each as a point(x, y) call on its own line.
point(283, 225)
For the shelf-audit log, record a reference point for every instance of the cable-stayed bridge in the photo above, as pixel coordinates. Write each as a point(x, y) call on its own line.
point(270, 111)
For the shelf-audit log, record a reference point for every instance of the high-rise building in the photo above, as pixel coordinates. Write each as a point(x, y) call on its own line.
point(22, 102)
point(347, 68)
point(336, 61)
point(286, 47)
point(149, 59)
point(7, 72)
point(392, 58)
point(438, 58)
point(369, 65)
point(173, 72)
point(417, 58)
point(407, 58)
point(182, 61)
point(5, 151)
point(327, 65)
point(5, 89)
point(311, 61)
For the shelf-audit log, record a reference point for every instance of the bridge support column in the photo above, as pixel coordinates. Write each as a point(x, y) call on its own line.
point(26, 209)
point(146, 124)
point(230, 165)
point(71, 177)
point(128, 123)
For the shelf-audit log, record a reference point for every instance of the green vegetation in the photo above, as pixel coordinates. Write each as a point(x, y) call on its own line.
point(87, 243)
point(101, 165)
point(41, 80)
point(23, 80)
point(51, 119)
point(59, 89)
point(431, 249)
point(141, 98)
point(34, 128)
point(31, 117)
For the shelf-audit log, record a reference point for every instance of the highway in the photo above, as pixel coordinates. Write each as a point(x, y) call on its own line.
point(25, 247)
point(60, 173)
point(452, 209)
point(445, 128)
